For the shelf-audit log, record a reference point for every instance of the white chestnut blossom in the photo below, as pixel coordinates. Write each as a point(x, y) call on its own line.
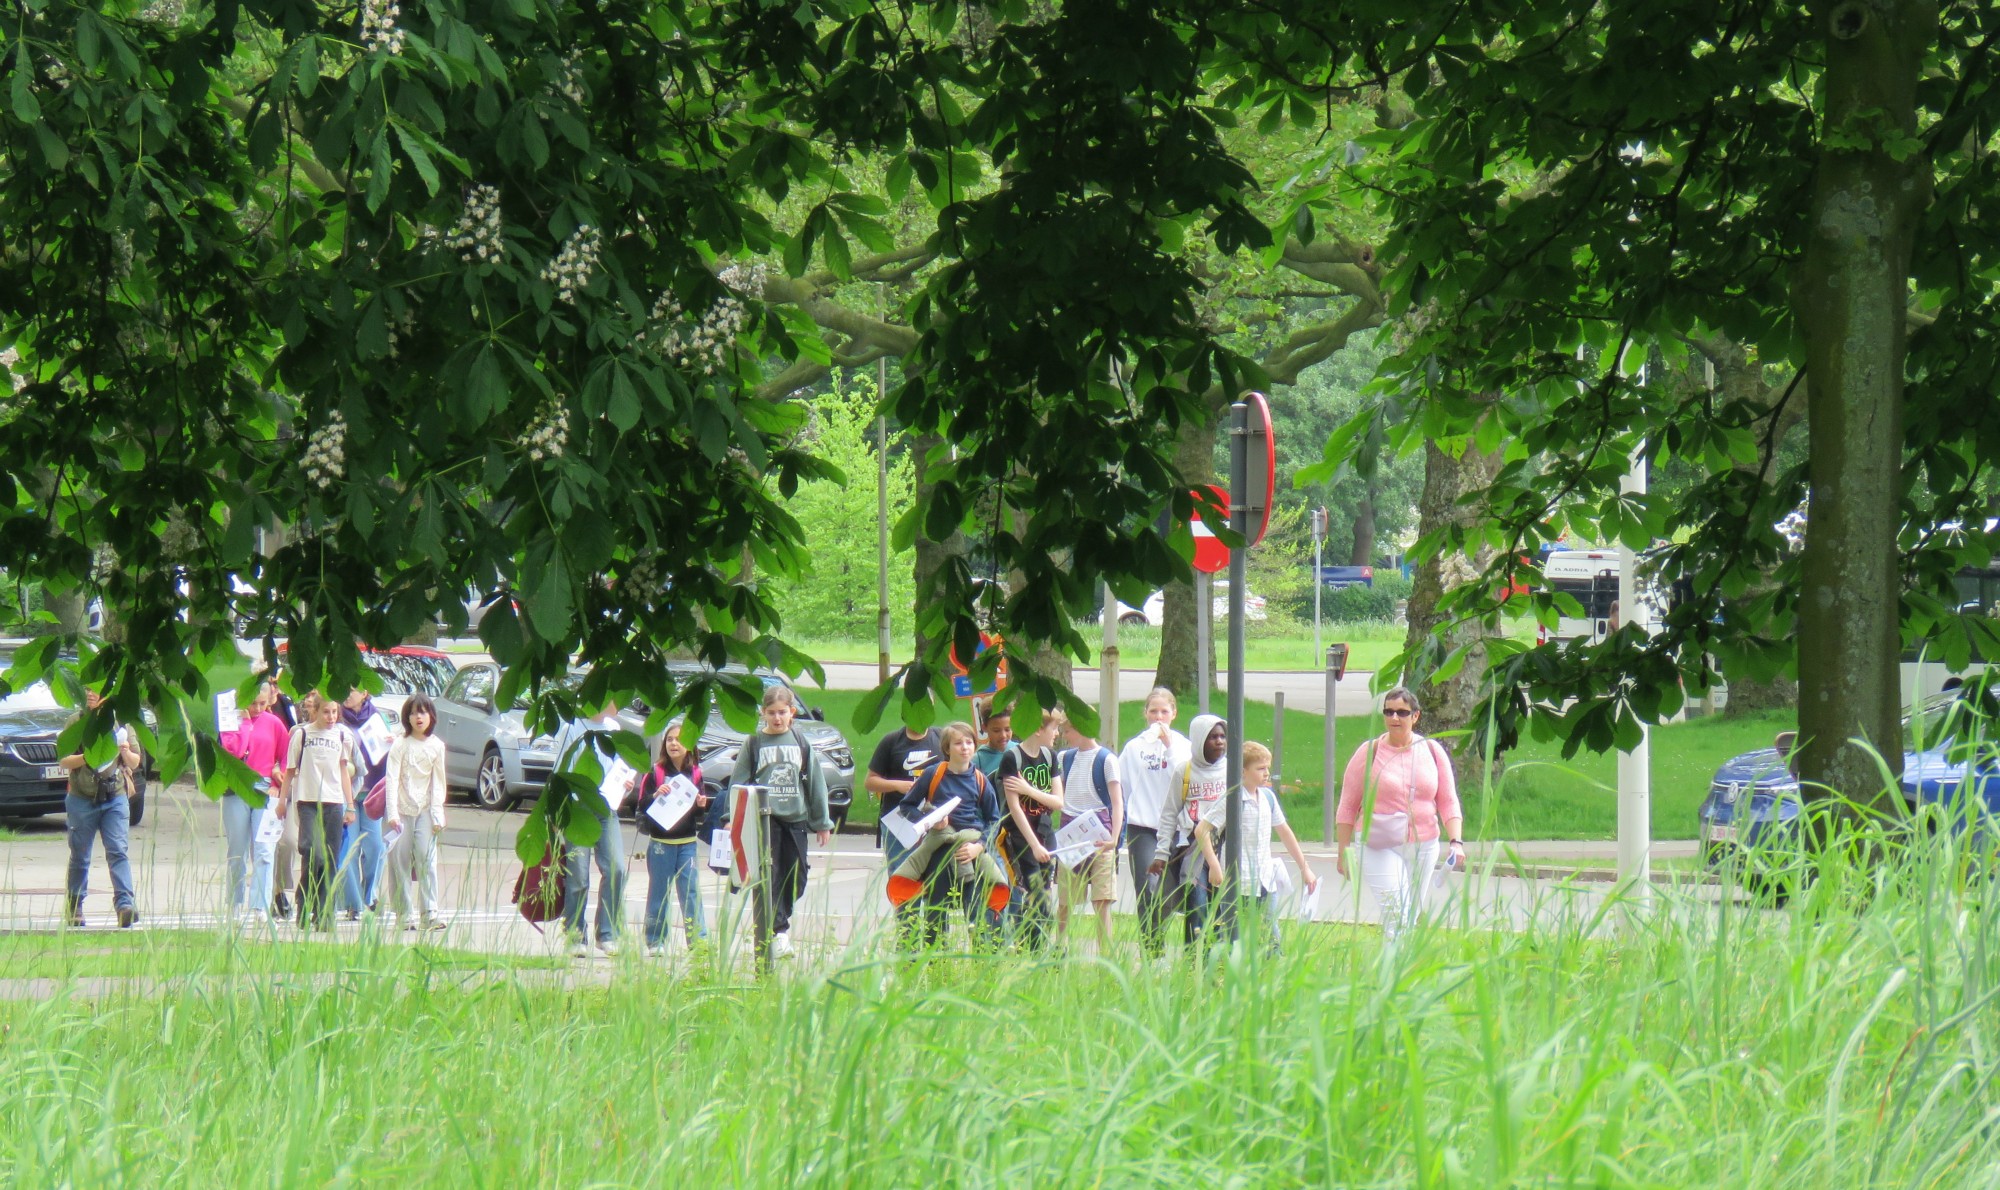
point(379, 30)
point(569, 79)
point(178, 537)
point(326, 452)
point(164, 12)
point(103, 563)
point(570, 271)
point(10, 362)
point(548, 435)
point(477, 238)
point(747, 280)
point(643, 580)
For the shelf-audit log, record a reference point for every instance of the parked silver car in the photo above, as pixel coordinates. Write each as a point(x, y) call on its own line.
point(490, 752)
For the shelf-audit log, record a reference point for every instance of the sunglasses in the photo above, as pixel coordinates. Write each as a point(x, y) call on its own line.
point(1397, 713)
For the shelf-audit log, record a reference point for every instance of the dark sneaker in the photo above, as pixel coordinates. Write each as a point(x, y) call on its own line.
point(127, 918)
point(284, 907)
point(75, 916)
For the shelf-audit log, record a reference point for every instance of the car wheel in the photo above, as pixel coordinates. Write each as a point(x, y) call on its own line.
point(839, 818)
point(1133, 620)
point(490, 787)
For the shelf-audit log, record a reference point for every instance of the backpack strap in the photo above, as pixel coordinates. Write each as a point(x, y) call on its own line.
point(937, 775)
point(1097, 772)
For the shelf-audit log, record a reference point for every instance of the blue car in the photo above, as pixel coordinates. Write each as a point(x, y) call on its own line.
point(1753, 801)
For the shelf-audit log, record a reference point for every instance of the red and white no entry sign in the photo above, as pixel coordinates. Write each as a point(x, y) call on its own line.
point(1210, 555)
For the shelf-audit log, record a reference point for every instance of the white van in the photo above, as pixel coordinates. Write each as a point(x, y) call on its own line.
point(1591, 578)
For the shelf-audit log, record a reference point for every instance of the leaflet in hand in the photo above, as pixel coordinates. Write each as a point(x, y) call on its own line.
point(1079, 837)
point(227, 716)
point(909, 829)
point(391, 834)
point(271, 828)
point(617, 779)
point(1309, 904)
point(673, 802)
point(375, 739)
point(718, 849)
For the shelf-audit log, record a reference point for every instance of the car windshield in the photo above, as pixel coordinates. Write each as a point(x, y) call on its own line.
point(1938, 720)
point(568, 681)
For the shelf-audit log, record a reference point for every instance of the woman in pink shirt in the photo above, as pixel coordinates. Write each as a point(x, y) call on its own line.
point(1405, 783)
point(259, 743)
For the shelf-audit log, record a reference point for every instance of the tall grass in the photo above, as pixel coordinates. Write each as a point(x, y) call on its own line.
point(1851, 1040)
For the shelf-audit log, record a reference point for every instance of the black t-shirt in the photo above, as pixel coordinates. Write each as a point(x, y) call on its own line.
point(900, 758)
point(1038, 772)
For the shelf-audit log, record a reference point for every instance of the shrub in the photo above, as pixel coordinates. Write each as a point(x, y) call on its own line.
point(1379, 602)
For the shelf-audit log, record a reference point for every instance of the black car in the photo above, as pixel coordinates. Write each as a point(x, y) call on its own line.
point(31, 782)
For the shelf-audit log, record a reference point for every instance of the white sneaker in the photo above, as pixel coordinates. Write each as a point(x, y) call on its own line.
point(781, 946)
point(578, 950)
point(656, 952)
point(610, 949)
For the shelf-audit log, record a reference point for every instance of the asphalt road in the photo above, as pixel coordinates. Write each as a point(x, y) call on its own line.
point(178, 855)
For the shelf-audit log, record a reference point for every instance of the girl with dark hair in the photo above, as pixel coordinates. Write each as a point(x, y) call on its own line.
point(413, 813)
point(670, 847)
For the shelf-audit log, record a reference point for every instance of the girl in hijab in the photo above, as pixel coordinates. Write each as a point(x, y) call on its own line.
point(1197, 790)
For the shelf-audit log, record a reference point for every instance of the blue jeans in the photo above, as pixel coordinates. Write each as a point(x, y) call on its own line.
point(672, 866)
point(609, 850)
point(360, 861)
point(249, 866)
point(88, 819)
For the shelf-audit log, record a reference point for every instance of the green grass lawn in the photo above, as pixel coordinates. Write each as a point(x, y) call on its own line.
point(1539, 795)
point(1275, 647)
point(167, 954)
point(1849, 1041)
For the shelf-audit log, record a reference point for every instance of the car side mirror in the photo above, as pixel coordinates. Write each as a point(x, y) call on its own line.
point(816, 713)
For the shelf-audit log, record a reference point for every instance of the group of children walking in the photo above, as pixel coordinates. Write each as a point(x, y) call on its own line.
point(362, 817)
point(1002, 857)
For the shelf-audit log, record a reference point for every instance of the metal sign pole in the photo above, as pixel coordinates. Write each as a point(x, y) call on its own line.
point(1319, 570)
point(1277, 738)
point(1330, 778)
point(1204, 633)
point(1239, 520)
point(1107, 676)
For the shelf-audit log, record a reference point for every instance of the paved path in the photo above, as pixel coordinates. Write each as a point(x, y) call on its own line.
point(178, 859)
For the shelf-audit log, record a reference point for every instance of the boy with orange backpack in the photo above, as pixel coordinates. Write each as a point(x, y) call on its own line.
point(955, 857)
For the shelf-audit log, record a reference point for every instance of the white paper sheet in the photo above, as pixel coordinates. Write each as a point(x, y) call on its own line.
point(718, 850)
point(936, 816)
point(227, 716)
point(1079, 837)
point(902, 827)
point(1309, 904)
point(673, 803)
point(375, 739)
point(1277, 879)
point(270, 828)
point(617, 780)
point(390, 834)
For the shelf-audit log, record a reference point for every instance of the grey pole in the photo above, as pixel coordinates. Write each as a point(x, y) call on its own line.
point(1239, 520)
point(1277, 738)
point(882, 619)
point(1204, 632)
point(1329, 796)
point(1107, 677)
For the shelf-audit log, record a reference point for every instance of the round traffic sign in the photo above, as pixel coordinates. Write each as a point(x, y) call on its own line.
point(1210, 555)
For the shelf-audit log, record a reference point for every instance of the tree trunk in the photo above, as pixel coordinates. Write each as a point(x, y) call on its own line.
point(1194, 455)
point(1044, 657)
point(1448, 705)
point(1364, 530)
point(70, 608)
point(930, 556)
point(1849, 296)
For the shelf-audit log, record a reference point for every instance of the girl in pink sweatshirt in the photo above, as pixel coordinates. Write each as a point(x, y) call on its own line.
point(259, 743)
